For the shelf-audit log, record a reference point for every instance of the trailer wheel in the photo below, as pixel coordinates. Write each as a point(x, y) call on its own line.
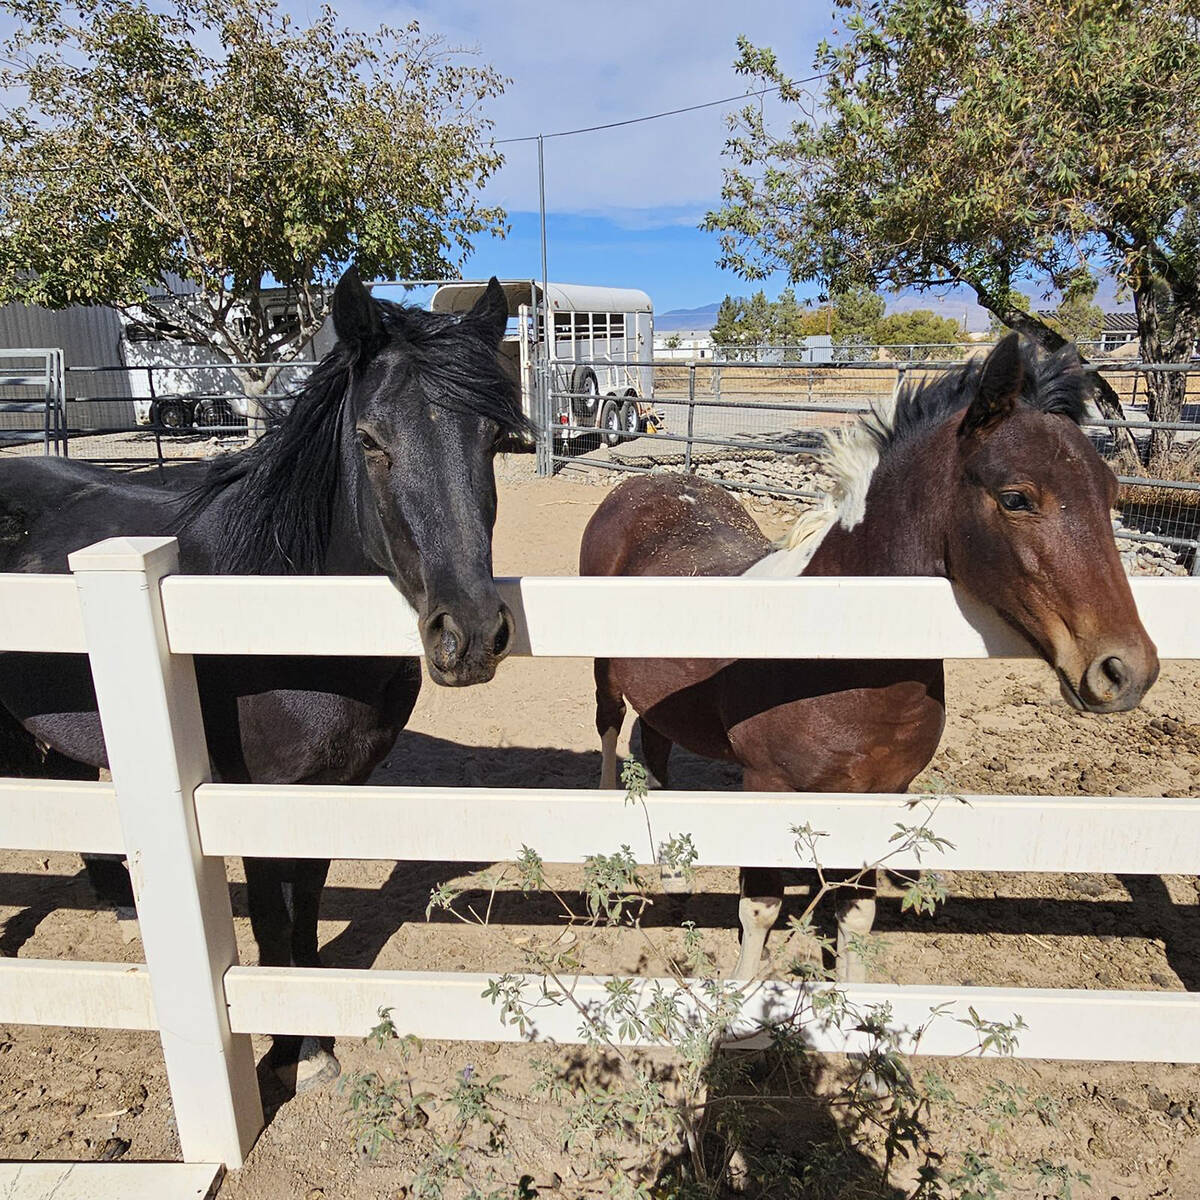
point(585, 395)
point(172, 413)
point(610, 422)
point(631, 421)
point(215, 414)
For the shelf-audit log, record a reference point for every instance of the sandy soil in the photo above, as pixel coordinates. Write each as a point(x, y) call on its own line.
point(84, 1094)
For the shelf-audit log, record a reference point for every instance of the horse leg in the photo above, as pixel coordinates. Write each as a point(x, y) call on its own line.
point(758, 909)
point(610, 716)
point(855, 917)
point(761, 893)
point(316, 1065)
point(656, 750)
point(269, 902)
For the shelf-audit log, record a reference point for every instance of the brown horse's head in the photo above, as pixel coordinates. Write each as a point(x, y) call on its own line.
point(1030, 531)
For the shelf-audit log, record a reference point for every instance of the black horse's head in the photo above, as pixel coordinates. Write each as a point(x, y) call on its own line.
point(426, 405)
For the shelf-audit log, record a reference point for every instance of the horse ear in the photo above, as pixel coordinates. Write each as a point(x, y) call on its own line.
point(999, 386)
point(356, 315)
point(490, 312)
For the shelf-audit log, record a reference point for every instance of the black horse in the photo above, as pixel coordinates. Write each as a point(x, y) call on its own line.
point(384, 463)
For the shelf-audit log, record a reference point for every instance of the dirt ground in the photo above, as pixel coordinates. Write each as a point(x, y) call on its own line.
point(89, 1094)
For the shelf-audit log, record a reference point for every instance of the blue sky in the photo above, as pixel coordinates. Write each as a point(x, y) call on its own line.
point(623, 205)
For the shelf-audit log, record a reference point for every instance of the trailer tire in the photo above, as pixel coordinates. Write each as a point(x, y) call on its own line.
point(631, 420)
point(585, 396)
point(174, 413)
point(610, 422)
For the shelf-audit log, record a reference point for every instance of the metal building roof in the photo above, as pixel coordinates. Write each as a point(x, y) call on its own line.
point(564, 297)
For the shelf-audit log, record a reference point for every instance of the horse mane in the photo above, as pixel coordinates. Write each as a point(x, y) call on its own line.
point(1053, 382)
point(281, 522)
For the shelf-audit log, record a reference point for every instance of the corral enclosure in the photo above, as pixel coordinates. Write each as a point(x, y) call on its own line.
point(1128, 1126)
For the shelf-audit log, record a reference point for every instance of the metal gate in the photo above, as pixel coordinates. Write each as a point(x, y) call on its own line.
point(32, 407)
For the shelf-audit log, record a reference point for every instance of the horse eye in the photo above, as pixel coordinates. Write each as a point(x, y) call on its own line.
point(1015, 502)
point(366, 441)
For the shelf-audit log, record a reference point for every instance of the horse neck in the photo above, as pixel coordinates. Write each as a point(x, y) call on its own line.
point(905, 518)
point(345, 553)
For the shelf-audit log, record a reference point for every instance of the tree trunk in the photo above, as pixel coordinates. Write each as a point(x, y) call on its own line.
point(1166, 391)
point(1107, 400)
point(254, 387)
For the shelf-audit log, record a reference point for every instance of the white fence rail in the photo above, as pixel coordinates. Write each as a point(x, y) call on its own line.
point(140, 624)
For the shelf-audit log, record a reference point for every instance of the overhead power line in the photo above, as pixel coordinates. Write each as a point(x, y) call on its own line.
point(671, 112)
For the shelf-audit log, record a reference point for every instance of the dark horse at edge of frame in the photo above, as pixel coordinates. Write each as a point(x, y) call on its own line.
point(384, 464)
point(983, 477)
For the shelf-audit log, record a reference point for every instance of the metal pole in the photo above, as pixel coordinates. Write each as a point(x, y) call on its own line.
point(545, 430)
point(542, 211)
point(691, 421)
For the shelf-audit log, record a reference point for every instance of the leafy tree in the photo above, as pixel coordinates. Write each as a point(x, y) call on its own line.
point(919, 327)
point(1078, 318)
point(815, 321)
point(1017, 300)
point(785, 322)
point(856, 311)
point(728, 332)
point(757, 320)
point(227, 145)
point(962, 141)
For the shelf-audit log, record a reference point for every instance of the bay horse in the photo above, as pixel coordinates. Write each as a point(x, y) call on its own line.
point(983, 477)
point(384, 464)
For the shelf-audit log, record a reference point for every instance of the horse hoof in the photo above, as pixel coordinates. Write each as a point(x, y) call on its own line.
point(315, 1068)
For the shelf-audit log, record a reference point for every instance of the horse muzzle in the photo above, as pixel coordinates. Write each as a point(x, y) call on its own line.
point(461, 651)
point(1115, 679)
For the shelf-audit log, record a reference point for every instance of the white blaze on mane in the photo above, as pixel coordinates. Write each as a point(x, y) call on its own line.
point(851, 457)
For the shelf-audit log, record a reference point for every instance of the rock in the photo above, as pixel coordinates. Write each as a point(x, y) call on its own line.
point(1086, 885)
point(1157, 1101)
point(113, 1149)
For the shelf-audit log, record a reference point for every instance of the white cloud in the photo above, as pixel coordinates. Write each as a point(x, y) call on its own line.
point(574, 64)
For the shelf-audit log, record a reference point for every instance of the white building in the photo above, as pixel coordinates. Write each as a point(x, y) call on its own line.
point(684, 344)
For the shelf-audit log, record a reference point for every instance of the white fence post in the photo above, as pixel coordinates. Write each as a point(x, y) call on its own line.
point(150, 711)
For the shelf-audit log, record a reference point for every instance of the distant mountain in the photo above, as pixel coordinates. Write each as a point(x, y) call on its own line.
point(957, 303)
point(704, 317)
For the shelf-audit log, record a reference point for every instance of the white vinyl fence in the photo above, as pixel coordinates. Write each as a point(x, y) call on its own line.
point(141, 623)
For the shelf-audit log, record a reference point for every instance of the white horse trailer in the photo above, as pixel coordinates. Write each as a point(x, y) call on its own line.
point(597, 363)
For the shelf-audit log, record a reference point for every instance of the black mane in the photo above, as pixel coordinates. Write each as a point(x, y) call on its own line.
point(289, 478)
point(1054, 382)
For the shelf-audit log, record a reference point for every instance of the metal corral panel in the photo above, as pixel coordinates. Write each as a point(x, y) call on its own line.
point(88, 337)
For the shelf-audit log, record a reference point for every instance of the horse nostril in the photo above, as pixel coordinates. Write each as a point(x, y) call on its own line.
point(1107, 681)
point(445, 641)
point(504, 633)
point(1117, 672)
